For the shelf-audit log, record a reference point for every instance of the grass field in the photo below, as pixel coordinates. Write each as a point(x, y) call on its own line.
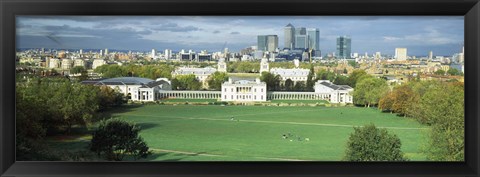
point(207, 133)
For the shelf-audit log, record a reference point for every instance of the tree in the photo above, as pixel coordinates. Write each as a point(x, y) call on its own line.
point(114, 139)
point(216, 80)
point(443, 108)
point(355, 76)
point(386, 102)
point(289, 85)
point(299, 86)
point(369, 90)
point(440, 72)
point(310, 80)
point(272, 81)
point(341, 80)
point(369, 143)
point(453, 72)
point(186, 82)
point(325, 75)
point(78, 70)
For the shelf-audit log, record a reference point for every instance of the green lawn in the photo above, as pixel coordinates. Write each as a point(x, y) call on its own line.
point(206, 133)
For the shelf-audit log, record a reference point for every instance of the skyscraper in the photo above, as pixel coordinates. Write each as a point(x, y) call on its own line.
point(300, 31)
point(401, 53)
point(289, 36)
point(262, 42)
point(313, 38)
point(267, 42)
point(301, 42)
point(154, 53)
point(344, 47)
point(272, 43)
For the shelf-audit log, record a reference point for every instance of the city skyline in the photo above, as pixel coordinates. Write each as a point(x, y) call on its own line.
point(442, 35)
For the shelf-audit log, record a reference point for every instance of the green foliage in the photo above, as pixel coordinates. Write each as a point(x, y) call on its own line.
point(289, 85)
point(352, 63)
point(216, 79)
point(439, 72)
point(443, 108)
point(355, 76)
point(299, 86)
point(111, 71)
point(243, 67)
point(186, 82)
point(369, 143)
point(326, 75)
point(310, 80)
point(272, 81)
point(152, 71)
point(78, 70)
point(114, 139)
point(369, 90)
point(109, 97)
point(454, 72)
point(341, 80)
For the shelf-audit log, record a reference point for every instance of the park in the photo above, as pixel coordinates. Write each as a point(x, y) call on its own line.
point(182, 132)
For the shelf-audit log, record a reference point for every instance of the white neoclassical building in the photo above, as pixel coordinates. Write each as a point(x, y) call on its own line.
point(295, 74)
point(201, 74)
point(334, 93)
point(135, 88)
point(244, 90)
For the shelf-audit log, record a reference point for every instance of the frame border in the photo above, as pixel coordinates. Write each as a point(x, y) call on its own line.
point(470, 9)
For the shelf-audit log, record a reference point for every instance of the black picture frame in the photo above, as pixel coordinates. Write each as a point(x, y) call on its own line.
point(470, 9)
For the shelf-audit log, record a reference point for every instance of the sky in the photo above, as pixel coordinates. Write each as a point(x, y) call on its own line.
point(444, 35)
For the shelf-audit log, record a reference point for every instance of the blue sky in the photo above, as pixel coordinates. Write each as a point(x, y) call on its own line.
point(443, 35)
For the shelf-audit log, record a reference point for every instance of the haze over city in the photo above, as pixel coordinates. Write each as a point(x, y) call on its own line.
point(443, 35)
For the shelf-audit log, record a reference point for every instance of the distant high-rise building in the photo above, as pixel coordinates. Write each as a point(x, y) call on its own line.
point(314, 40)
point(401, 53)
point(101, 52)
point(267, 42)
point(272, 43)
point(289, 36)
point(106, 51)
point(301, 42)
point(154, 53)
point(430, 55)
point(262, 42)
point(344, 46)
point(81, 51)
point(168, 54)
point(301, 31)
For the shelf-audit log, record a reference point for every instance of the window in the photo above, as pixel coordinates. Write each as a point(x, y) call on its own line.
point(225, 96)
point(255, 90)
point(225, 89)
point(232, 97)
point(261, 97)
point(262, 90)
point(255, 97)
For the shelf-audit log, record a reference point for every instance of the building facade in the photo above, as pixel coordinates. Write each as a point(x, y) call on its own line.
point(244, 91)
point(135, 88)
point(334, 93)
point(289, 36)
point(401, 54)
point(344, 47)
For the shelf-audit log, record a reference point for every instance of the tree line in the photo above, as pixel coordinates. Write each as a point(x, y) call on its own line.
point(54, 106)
point(438, 104)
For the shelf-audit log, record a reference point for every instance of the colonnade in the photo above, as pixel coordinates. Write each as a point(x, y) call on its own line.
point(190, 94)
point(297, 96)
